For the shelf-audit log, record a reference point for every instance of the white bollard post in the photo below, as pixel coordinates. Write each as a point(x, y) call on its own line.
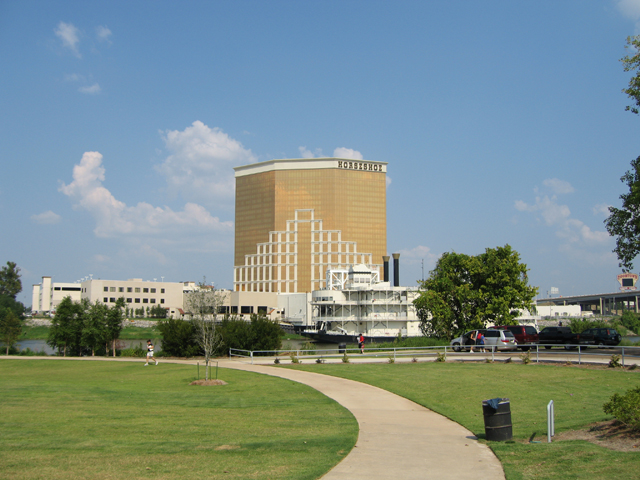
point(551, 428)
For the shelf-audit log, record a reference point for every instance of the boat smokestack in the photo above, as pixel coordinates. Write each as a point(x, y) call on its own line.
point(396, 269)
point(385, 261)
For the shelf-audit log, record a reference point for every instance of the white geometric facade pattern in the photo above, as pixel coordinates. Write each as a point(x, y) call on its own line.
point(275, 265)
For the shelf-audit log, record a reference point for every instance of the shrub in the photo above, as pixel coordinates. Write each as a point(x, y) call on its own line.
point(178, 338)
point(579, 325)
point(294, 359)
point(392, 359)
point(441, 357)
point(630, 321)
point(136, 351)
point(626, 408)
point(615, 361)
point(345, 358)
point(526, 358)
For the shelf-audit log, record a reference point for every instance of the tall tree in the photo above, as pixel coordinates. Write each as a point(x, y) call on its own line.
point(465, 292)
point(94, 326)
point(65, 333)
point(10, 283)
point(624, 223)
point(10, 327)
point(114, 323)
point(202, 305)
point(631, 63)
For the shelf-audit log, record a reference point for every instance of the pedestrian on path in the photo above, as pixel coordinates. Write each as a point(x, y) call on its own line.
point(361, 343)
point(150, 353)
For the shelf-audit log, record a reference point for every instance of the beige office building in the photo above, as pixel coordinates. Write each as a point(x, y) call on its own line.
point(298, 218)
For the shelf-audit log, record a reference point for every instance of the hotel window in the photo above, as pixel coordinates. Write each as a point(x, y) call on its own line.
point(121, 289)
point(106, 289)
point(105, 300)
point(153, 300)
point(137, 300)
point(153, 290)
point(145, 300)
point(129, 289)
point(129, 300)
point(162, 300)
point(162, 290)
point(137, 289)
point(246, 309)
point(145, 290)
point(112, 300)
point(112, 289)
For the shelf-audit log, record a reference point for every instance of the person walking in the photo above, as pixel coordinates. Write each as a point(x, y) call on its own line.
point(150, 353)
point(473, 337)
point(361, 343)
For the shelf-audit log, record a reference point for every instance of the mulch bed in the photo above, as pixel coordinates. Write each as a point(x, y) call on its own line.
point(611, 434)
point(208, 382)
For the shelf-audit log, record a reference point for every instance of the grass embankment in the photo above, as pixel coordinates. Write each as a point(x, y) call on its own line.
point(78, 419)
point(456, 391)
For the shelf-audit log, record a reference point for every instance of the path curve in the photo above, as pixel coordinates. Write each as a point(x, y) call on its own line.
point(398, 438)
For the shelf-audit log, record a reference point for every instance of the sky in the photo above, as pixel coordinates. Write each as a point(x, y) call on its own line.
point(502, 122)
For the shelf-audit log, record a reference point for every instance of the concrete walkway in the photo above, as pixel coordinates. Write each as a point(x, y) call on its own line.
point(398, 438)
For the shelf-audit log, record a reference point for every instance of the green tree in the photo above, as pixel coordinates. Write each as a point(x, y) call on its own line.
point(265, 334)
point(464, 292)
point(10, 327)
point(624, 223)
point(158, 311)
point(94, 326)
point(10, 283)
point(114, 323)
point(178, 338)
point(65, 333)
point(631, 63)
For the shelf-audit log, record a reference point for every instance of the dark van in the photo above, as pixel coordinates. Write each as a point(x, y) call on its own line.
point(526, 335)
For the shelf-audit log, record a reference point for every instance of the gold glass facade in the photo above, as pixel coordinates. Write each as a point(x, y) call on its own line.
point(296, 218)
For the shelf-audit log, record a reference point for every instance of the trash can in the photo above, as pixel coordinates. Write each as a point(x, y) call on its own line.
point(497, 419)
point(342, 347)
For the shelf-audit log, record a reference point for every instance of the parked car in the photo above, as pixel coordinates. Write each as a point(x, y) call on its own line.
point(603, 336)
point(526, 335)
point(501, 339)
point(550, 336)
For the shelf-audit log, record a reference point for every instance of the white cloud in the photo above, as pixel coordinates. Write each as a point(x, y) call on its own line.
point(46, 218)
point(342, 152)
point(92, 90)
point(631, 10)
point(306, 153)
point(601, 209)
point(575, 233)
point(69, 35)
point(115, 219)
point(558, 186)
point(201, 162)
point(103, 34)
point(73, 77)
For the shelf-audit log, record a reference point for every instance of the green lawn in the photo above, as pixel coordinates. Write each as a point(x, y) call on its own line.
point(456, 390)
point(77, 419)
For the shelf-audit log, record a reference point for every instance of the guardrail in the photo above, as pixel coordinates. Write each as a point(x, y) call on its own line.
point(393, 353)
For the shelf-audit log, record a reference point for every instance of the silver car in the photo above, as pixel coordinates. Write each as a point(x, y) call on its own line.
point(500, 339)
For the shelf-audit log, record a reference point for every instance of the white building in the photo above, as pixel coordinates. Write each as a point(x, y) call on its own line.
point(358, 302)
point(47, 295)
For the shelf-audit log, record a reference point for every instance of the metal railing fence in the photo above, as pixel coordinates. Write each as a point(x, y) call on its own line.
point(542, 352)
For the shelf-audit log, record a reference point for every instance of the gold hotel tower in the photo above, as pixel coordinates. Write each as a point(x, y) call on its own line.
point(297, 218)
